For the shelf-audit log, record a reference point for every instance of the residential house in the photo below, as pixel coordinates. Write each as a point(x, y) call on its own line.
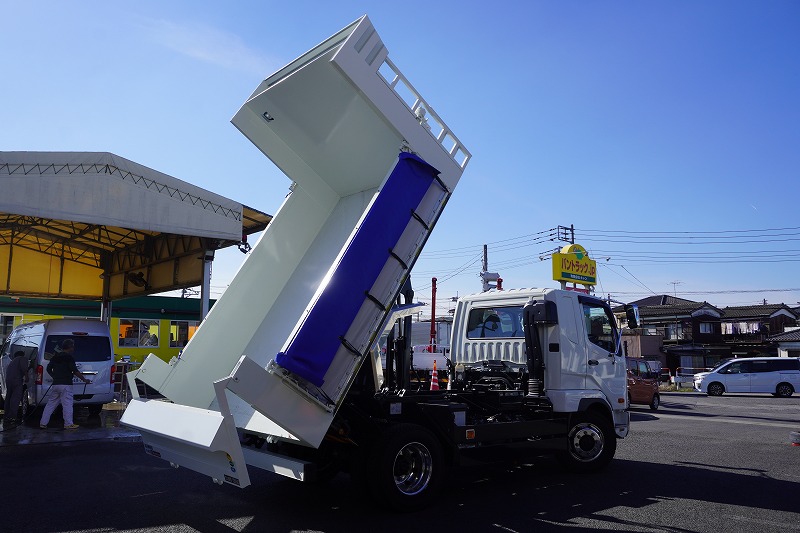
point(688, 336)
point(788, 342)
point(746, 329)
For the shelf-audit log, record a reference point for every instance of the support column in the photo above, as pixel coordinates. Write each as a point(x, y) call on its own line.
point(105, 302)
point(205, 286)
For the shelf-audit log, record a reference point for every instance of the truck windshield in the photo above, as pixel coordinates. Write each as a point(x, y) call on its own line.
point(600, 326)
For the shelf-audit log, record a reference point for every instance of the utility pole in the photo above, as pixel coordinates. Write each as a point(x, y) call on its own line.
point(433, 315)
point(488, 277)
point(567, 234)
point(675, 295)
point(675, 287)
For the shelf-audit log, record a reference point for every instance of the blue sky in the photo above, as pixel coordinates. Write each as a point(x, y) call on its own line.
point(667, 133)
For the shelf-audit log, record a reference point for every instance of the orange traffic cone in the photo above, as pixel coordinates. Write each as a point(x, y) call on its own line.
point(435, 377)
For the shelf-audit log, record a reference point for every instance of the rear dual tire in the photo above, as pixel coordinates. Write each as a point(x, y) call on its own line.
point(405, 467)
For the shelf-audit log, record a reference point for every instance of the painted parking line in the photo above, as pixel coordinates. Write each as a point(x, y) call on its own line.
point(729, 420)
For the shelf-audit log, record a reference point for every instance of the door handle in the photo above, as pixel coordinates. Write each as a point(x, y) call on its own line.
point(594, 362)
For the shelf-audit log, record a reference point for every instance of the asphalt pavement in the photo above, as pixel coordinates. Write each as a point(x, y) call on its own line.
point(105, 426)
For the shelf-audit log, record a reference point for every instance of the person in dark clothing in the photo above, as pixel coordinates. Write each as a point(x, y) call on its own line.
point(16, 377)
point(62, 367)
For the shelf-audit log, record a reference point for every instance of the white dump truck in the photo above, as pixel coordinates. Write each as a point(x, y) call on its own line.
point(284, 375)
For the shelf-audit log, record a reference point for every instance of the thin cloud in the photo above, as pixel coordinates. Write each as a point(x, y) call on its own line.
point(208, 44)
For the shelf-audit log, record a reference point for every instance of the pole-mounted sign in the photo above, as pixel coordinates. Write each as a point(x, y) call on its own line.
point(572, 264)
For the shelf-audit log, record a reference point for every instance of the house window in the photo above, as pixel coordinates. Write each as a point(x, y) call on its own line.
point(674, 331)
point(6, 326)
point(180, 331)
point(135, 333)
point(706, 327)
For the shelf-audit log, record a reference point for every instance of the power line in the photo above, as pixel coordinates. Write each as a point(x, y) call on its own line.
point(590, 231)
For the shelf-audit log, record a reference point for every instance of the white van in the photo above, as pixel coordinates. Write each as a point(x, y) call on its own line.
point(779, 376)
point(93, 356)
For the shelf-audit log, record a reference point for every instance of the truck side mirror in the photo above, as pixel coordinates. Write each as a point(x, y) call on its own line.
point(632, 315)
point(544, 312)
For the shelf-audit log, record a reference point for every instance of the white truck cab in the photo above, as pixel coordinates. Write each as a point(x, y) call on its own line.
point(580, 359)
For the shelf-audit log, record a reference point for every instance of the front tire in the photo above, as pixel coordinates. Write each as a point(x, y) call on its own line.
point(715, 389)
point(591, 443)
point(406, 467)
point(784, 390)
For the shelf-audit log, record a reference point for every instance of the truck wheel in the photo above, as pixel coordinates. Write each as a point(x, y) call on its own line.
point(406, 467)
point(715, 389)
point(591, 443)
point(784, 390)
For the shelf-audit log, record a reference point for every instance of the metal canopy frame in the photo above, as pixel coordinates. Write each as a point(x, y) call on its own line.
point(98, 261)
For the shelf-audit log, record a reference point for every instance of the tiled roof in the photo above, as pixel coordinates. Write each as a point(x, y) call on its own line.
point(754, 311)
point(673, 310)
point(788, 336)
point(662, 299)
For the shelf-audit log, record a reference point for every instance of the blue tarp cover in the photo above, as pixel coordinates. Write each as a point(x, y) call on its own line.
point(311, 351)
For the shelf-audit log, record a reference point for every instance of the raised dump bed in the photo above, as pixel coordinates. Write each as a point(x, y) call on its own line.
point(372, 167)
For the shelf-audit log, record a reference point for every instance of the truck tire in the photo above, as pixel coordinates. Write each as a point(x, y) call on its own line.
point(591, 443)
point(406, 467)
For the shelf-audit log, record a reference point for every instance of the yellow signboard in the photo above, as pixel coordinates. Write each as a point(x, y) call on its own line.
point(572, 263)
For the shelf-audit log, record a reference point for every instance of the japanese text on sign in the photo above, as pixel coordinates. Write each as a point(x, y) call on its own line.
point(573, 264)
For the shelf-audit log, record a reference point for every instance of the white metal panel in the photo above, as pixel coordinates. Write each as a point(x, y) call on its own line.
point(263, 301)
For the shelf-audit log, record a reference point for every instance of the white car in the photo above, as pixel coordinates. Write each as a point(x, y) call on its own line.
point(779, 376)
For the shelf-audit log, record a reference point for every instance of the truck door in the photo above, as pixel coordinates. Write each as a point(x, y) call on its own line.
point(604, 370)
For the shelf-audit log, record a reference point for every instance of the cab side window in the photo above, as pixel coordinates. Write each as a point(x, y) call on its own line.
point(600, 329)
